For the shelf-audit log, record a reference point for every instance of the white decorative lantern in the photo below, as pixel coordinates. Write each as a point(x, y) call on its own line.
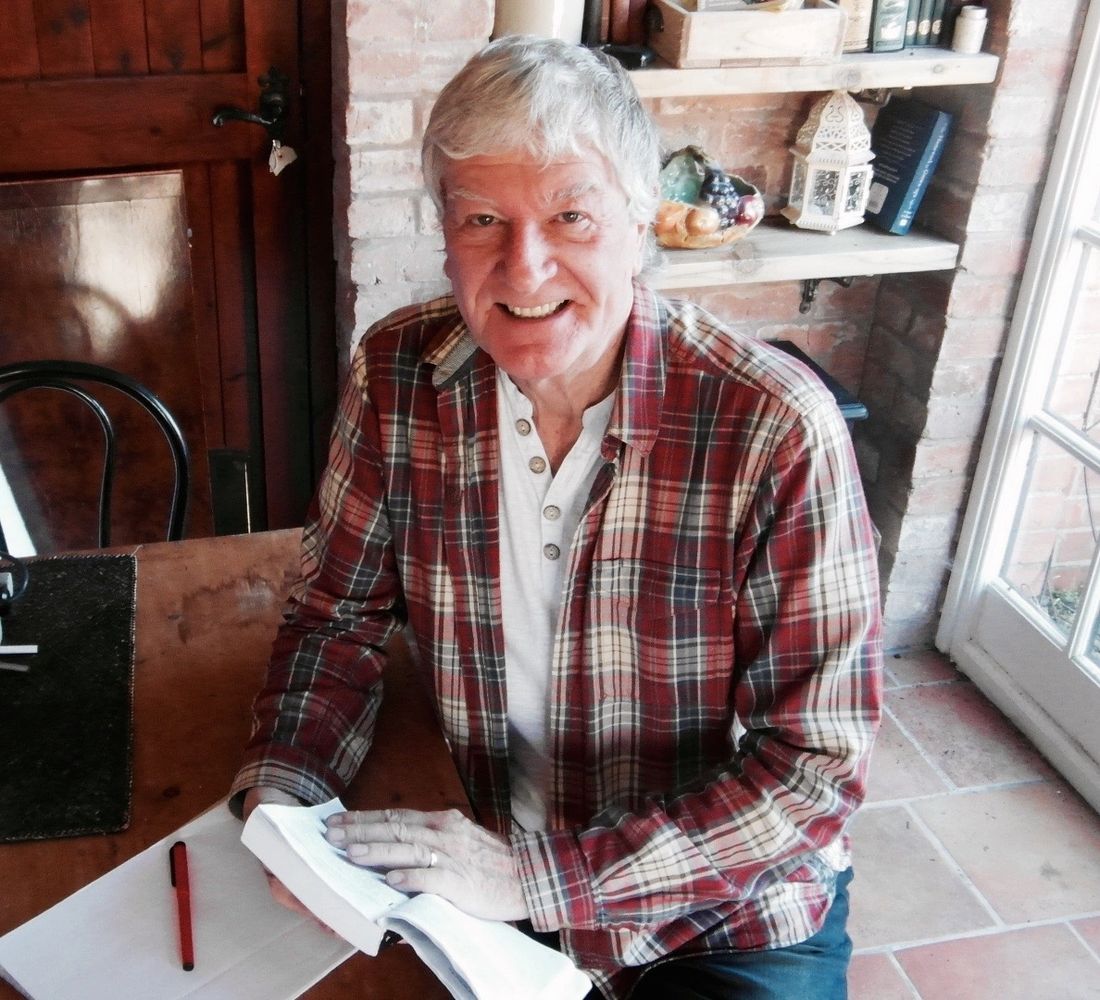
point(832, 166)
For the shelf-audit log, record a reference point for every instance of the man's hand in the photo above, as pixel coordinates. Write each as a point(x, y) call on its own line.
point(254, 797)
point(440, 852)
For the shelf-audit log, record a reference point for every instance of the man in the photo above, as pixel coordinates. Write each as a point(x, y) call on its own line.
point(632, 551)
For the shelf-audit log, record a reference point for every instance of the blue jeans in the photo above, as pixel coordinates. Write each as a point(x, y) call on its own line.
point(816, 969)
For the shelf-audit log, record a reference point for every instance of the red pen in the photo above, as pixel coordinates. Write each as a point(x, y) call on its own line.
point(181, 882)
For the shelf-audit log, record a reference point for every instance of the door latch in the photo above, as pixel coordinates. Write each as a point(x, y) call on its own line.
point(274, 105)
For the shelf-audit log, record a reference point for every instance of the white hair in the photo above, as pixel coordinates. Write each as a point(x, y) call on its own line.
point(547, 98)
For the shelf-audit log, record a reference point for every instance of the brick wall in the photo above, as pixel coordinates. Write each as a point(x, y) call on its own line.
point(920, 350)
point(937, 338)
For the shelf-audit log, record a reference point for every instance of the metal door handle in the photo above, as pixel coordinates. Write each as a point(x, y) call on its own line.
point(274, 104)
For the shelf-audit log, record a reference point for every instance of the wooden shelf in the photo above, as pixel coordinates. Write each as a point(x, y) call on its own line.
point(915, 67)
point(778, 251)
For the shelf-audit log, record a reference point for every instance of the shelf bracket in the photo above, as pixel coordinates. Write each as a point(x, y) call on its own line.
point(809, 290)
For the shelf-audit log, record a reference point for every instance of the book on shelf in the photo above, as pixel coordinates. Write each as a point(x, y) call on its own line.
point(907, 138)
point(888, 25)
point(936, 36)
point(924, 23)
point(857, 30)
point(911, 19)
point(951, 10)
point(475, 959)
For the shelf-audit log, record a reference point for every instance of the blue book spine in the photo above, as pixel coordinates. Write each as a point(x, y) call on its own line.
point(907, 139)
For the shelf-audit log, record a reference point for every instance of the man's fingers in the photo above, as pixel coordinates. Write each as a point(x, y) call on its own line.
point(391, 856)
point(351, 829)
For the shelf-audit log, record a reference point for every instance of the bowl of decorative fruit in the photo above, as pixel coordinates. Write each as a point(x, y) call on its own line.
point(702, 205)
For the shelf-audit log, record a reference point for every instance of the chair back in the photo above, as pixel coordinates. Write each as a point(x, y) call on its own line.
point(76, 379)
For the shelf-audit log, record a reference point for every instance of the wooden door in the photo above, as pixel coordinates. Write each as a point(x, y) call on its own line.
point(134, 233)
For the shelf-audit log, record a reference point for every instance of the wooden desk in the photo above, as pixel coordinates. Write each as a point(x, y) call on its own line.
point(206, 613)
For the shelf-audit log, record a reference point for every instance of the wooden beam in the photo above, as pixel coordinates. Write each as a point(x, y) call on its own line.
point(115, 122)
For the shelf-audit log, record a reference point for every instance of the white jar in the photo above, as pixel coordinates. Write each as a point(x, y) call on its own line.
point(969, 30)
point(548, 18)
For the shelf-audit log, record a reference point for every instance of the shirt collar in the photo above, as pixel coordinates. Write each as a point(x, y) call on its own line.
point(636, 416)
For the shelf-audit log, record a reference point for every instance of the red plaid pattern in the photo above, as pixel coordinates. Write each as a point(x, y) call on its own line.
point(716, 677)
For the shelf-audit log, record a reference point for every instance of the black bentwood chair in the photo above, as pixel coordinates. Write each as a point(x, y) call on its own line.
point(76, 379)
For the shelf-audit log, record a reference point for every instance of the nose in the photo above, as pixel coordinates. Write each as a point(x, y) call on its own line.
point(527, 258)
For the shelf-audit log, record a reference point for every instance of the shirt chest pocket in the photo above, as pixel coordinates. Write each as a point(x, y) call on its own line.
point(660, 633)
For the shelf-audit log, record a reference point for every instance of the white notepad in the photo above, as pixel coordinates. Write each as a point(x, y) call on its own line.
point(118, 936)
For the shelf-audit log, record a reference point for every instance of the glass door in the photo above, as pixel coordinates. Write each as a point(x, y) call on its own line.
point(1022, 615)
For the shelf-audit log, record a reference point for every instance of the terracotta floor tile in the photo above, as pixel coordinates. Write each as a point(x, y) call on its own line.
point(1037, 963)
point(904, 890)
point(1090, 931)
point(898, 771)
point(921, 667)
point(967, 737)
point(1033, 852)
point(874, 977)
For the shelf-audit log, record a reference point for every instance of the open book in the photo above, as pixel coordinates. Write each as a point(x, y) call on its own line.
point(474, 958)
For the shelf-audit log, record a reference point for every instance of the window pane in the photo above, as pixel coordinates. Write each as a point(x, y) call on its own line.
point(1055, 537)
point(1074, 393)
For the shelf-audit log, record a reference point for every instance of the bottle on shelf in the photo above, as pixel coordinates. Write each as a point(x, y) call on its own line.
point(969, 29)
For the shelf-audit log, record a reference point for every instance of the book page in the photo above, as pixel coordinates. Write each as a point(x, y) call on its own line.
point(492, 959)
point(118, 936)
point(475, 959)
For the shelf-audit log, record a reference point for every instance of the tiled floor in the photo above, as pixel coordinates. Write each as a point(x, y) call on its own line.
point(977, 867)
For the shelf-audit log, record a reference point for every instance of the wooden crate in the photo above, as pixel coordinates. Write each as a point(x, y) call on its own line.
point(689, 39)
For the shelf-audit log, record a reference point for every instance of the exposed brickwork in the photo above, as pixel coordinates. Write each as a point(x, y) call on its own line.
point(930, 372)
point(397, 57)
point(921, 350)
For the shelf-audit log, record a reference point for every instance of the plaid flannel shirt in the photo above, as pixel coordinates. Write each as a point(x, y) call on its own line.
point(715, 684)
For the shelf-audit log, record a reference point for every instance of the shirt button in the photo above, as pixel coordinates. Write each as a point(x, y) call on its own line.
point(551, 513)
point(551, 551)
point(523, 426)
point(537, 464)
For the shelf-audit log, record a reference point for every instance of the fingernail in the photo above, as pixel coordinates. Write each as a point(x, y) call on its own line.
point(336, 835)
point(396, 878)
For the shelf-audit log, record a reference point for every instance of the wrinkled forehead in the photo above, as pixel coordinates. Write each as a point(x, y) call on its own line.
point(572, 175)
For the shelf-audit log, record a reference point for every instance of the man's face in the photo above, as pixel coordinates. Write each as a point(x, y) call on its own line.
point(541, 260)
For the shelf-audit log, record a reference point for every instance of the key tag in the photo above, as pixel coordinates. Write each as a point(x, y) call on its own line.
point(281, 157)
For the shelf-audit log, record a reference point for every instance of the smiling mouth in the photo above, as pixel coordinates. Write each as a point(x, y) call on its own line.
point(535, 312)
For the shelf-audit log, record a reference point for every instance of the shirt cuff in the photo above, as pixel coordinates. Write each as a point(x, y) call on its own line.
point(289, 770)
point(555, 879)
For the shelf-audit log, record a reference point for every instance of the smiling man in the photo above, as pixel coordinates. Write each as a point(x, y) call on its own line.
point(632, 551)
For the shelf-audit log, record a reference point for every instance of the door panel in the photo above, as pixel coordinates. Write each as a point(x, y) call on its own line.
point(98, 269)
point(1022, 606)
point(108, 90)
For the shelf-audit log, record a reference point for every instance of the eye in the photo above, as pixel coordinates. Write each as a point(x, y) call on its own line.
point(571, 217)
point(481, 220)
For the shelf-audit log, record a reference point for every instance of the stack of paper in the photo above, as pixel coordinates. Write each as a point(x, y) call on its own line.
point(118, 937)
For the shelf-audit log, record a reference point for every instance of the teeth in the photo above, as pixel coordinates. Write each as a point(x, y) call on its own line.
point(535, 312)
